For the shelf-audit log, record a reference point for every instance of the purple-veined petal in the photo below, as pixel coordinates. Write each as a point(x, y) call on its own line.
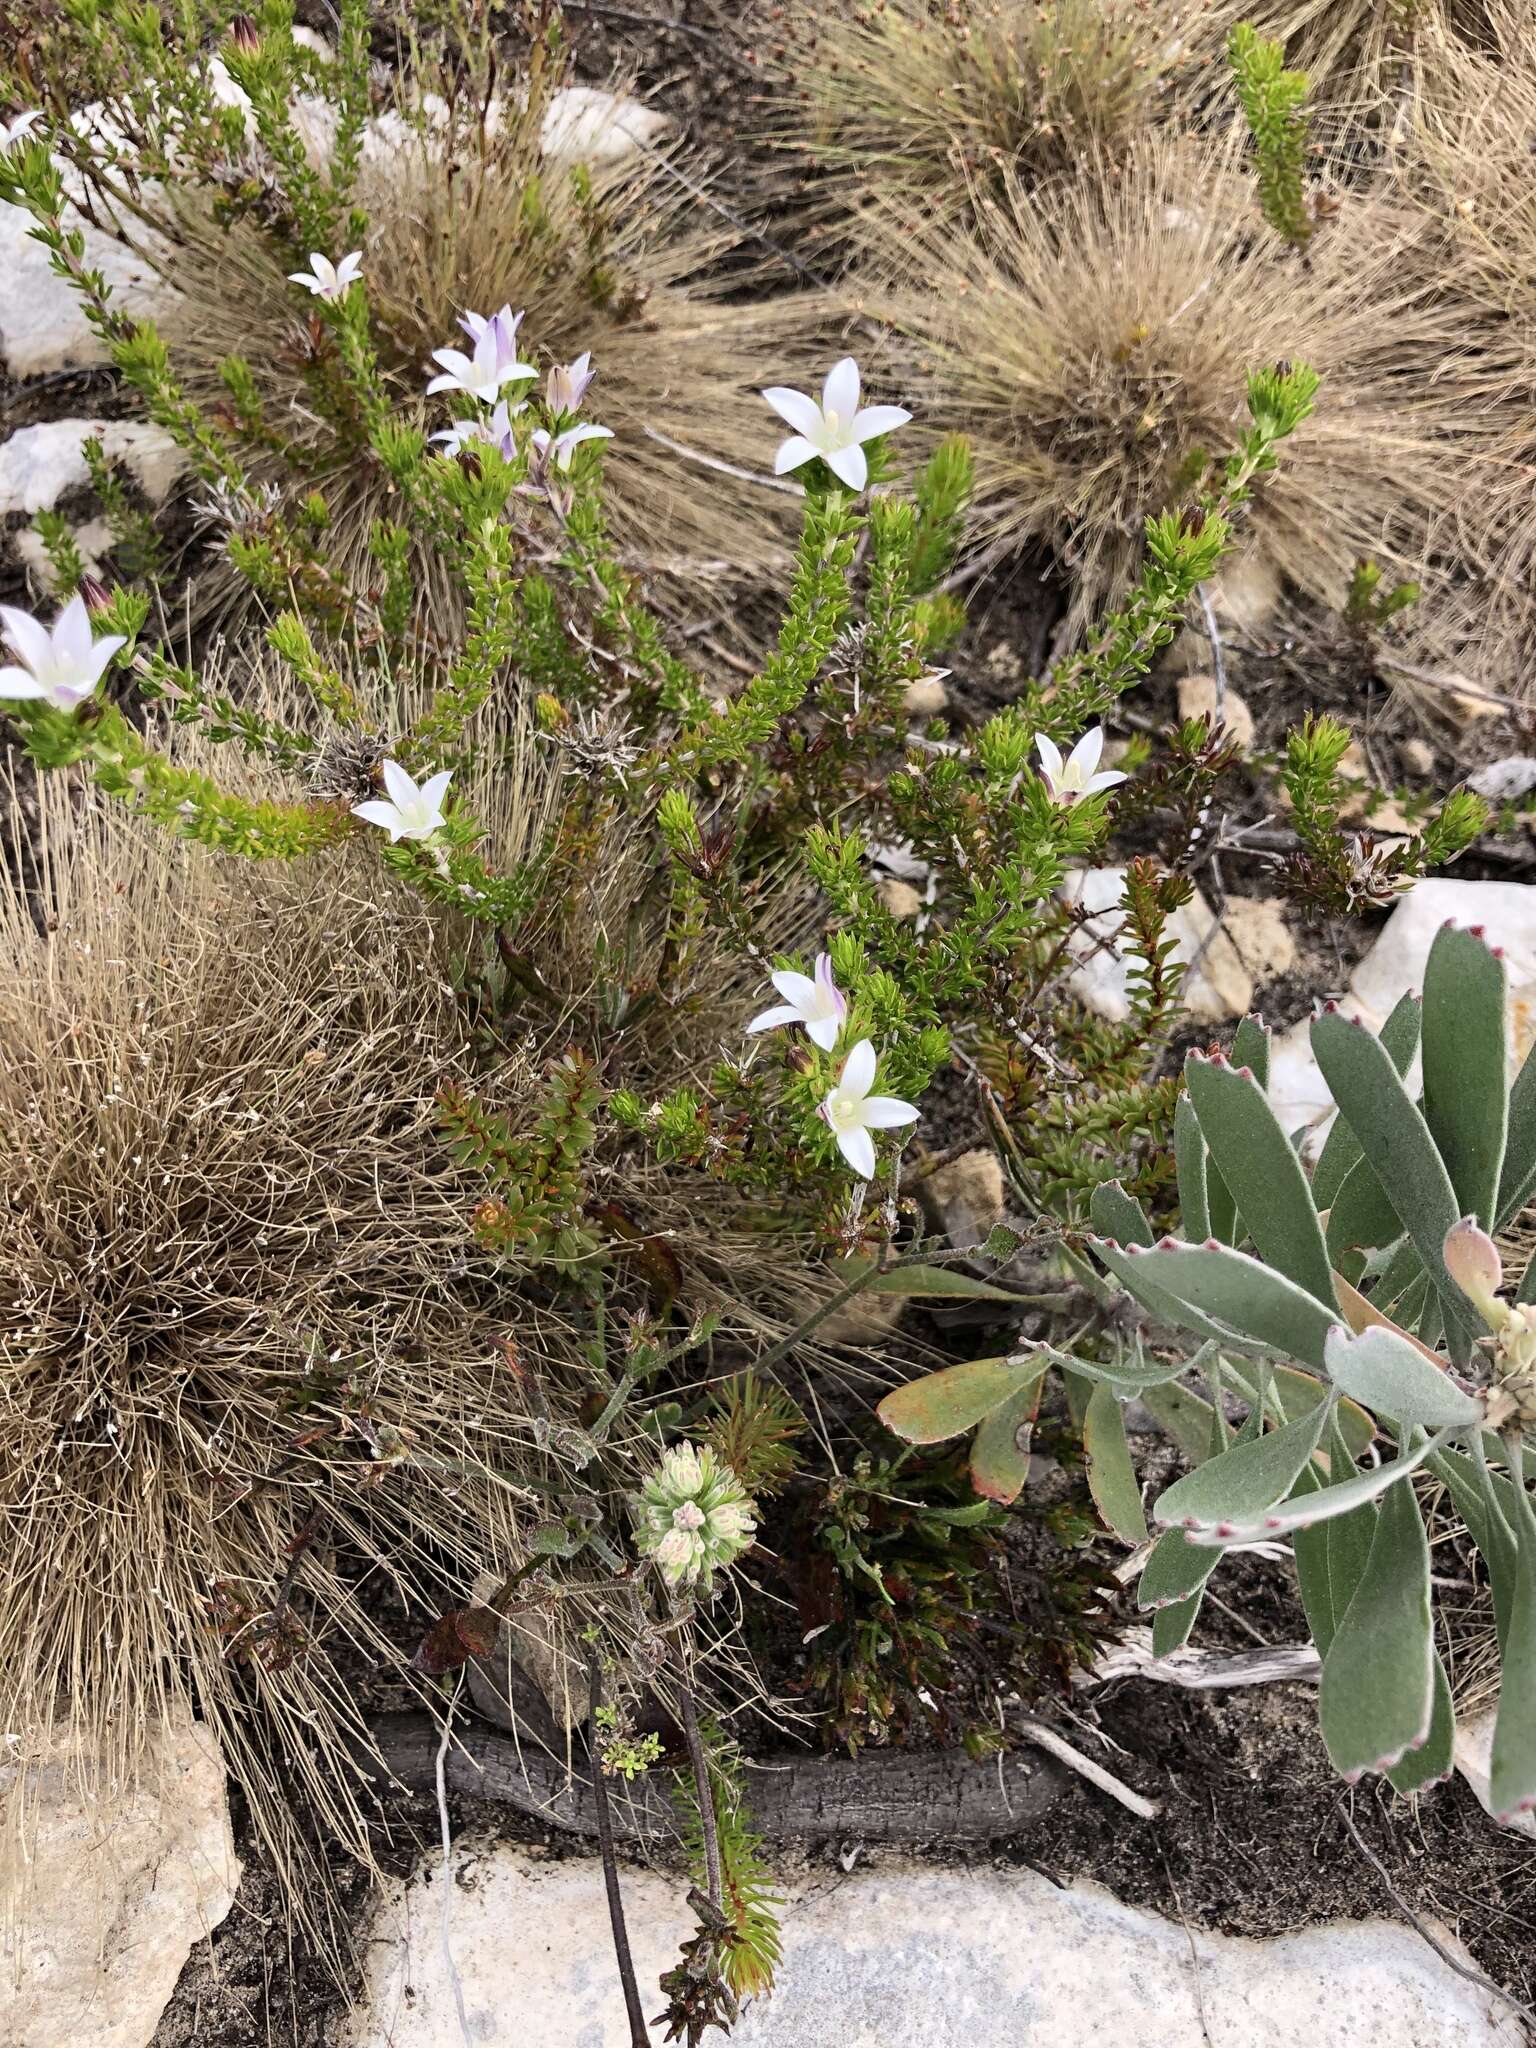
point(879, 419)
point(886, 1112)
point(858, 1075)
point(840, 393)
point(795, 408)
point(848, 465)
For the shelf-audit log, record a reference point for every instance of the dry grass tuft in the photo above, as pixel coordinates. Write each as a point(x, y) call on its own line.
point(265, 1409)
point(1471, 162)
point(245, 1365)
point(1094, 338)
point(900, 97)
point(1354, 51)
point(471, 215)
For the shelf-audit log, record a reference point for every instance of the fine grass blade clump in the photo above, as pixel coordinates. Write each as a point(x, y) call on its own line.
point(1357, 52)
point(903, 99)
point(243, 1367)
point(1471, 163)
point(461, 184)
point(1094, 340)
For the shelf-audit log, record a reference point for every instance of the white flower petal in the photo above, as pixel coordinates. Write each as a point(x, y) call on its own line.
point(1050, 756)
point(879, 419)
point(858, 1075)
point(795, 408)
point(101, 652)
point(771, 1020)
point(792, 453)
point(17, 683)
point(28, 636)
point(72, 634)
point(858, 1148)
point(840, 393)
point(848, 465)
point(798, 989)
point(401, 785)
point(823, 1031)
point(886, 1112)
point(1084, 757)
point(435, 787)
point(1105, 779)
point(377, 812)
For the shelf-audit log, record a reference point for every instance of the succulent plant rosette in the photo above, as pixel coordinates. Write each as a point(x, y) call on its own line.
point(1353, 1316)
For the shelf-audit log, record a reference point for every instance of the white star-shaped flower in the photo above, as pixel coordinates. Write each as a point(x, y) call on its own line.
point(62, 665)
point(836, 429)
point(413, 810)
point(17, 129)
point(853, 1112)
point(819, 1004)
point(328, 280)
point(1079, 775)
point(493, 363)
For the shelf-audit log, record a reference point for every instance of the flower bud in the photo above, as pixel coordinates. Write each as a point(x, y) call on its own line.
point(243, 34)
point(96, 594)
point(1473, 1262)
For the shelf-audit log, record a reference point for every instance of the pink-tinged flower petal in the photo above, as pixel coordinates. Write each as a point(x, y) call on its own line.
point(28, 636)
point(828, 986)
point(377, 812)
point(792, 453)
point(95, 662)
point(858, 1148)
point(858, 1075)
point(879, 419)
point(72, 634)
point(1085, 755)
point(795, 408)
point(771, 1020)
point(798, 989)
point(17, 683)
point(1050, 756)
point(400, 784)
point(435, 788)
point(886, 1112)
point(840, 393)
point(848, 465)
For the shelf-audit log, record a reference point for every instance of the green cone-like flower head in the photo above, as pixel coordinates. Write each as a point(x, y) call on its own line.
point(694, 1516)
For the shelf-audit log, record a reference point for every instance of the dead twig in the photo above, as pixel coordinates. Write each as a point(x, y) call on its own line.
point(639, 2033)
point(1058, 1747)
point(1466, 1970)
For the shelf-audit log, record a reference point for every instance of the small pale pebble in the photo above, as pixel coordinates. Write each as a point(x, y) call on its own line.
point(1417, 756)
point(927, 697)
point(898, 897)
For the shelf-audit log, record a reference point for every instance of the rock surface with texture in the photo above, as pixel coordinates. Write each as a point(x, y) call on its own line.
point(903, 1956)
point(120, 1889)
point(1506, 912)
point(1216, 986)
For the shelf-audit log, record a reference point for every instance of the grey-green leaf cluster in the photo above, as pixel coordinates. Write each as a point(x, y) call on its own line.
point(1355, 1311)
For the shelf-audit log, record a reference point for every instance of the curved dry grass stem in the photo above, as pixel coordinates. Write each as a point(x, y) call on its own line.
point(1095, 339)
